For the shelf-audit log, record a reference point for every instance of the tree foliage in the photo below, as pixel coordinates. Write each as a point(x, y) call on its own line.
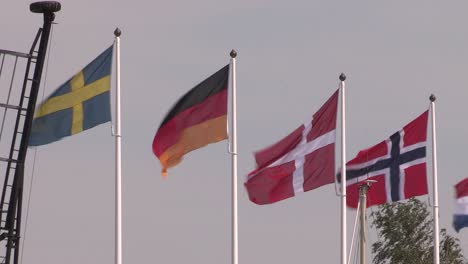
point(405, 236)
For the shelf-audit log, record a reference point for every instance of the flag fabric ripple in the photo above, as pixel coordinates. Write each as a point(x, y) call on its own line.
point(302, 161)
point(397, 165)
point(196, 120)
point(81, 103)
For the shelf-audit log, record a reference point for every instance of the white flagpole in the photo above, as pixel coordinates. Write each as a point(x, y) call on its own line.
point(233, 139)
point(343, 172)
point(118, 155)
point(432, 98)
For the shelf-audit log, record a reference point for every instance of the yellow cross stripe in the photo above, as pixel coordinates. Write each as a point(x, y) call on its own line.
point(76, 83)
point(77, 121)
point(75, 97)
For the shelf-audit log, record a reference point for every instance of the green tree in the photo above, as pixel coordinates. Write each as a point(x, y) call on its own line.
point(405, 236)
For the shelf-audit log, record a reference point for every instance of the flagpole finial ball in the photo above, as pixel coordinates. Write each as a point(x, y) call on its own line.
point(432, 98)
point(342, 77)
point(117, 32)
point(233, 54)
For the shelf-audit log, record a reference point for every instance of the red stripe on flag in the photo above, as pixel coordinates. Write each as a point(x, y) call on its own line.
point(319, 168)
point(324, 120)
point(415, 181)
point(271, 184)
point(213, 107)
point(461, 189)
point(413, 130)
point(270, 154)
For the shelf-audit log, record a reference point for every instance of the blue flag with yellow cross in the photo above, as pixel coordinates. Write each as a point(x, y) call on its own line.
point(80, 103)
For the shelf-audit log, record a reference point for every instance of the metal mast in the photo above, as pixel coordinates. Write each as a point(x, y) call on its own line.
point(343, 170)
point(435, 202)
point(13, 188)
point(233, 152)
point(363, 189)
point(362, 211)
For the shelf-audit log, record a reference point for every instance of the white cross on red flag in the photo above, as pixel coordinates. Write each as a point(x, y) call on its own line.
point(302, 161)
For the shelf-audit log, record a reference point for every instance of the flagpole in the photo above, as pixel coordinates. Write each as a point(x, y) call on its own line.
point(118, 155)
point(432, 98)
point(233, 153)
point(343, 171)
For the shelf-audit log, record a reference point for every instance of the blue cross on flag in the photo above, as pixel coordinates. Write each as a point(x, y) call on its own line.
point(397, 164)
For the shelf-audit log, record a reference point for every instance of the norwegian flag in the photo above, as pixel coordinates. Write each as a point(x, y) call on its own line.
point(302, 161)
point(397, 164)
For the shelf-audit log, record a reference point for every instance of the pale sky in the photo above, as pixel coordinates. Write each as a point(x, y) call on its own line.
point(290, 54)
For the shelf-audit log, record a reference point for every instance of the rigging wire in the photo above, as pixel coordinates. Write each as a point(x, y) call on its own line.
point(366, 233)
point(35, 154)
point(353, 255)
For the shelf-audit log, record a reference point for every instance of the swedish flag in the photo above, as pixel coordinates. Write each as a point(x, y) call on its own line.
point(80, 103)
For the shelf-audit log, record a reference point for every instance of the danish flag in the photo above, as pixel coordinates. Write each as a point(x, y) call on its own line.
point(302, 161)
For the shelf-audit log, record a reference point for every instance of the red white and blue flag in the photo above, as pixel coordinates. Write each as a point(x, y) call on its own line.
point(302, 161)
point(397, 164)
point(460, 218)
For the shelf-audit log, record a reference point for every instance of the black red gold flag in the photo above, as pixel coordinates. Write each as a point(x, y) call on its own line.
point(196, 120)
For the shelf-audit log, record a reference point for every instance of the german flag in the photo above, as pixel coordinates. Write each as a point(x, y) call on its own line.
point(196, 120)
